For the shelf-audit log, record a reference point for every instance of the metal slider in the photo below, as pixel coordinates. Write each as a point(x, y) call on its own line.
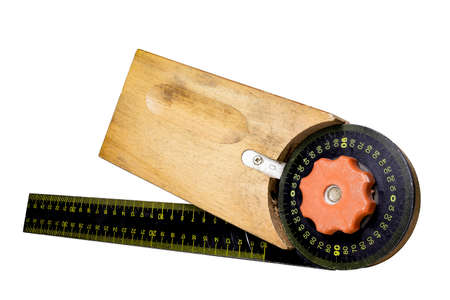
point(263, 164)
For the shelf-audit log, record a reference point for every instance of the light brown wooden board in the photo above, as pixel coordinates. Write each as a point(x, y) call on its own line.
point(185, 130)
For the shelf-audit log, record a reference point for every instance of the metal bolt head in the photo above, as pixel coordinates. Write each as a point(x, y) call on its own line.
point(258, 160)
point(333, 194)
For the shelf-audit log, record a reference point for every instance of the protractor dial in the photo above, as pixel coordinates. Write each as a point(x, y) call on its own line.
point(348, 197)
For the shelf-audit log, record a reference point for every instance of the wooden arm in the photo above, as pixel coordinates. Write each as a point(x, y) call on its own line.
point(185, 130)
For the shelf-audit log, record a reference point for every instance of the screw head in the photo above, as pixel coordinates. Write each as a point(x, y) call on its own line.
point(258, 160)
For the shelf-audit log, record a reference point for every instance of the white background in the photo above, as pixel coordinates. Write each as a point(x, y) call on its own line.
point(382, 64)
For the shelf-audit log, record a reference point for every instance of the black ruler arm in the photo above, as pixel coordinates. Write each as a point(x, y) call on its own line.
point(170, 226)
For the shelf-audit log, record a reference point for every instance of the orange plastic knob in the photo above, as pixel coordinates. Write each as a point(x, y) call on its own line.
point(337, 195)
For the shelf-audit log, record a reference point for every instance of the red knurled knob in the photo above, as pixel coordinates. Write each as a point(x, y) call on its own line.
point(337, 195)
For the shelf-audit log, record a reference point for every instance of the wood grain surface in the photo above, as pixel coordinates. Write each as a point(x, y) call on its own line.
point(185, 130)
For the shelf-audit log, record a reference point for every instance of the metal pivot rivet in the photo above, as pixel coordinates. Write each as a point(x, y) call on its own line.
point(333, 194)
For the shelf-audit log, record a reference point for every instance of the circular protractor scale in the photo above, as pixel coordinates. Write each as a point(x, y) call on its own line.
point(348, 198)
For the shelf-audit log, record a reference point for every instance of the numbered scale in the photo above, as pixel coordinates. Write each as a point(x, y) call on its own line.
point(380, 228)
point(395, 191)
point(170, 226)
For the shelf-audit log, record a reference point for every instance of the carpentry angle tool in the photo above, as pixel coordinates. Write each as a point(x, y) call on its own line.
point(268, 178)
